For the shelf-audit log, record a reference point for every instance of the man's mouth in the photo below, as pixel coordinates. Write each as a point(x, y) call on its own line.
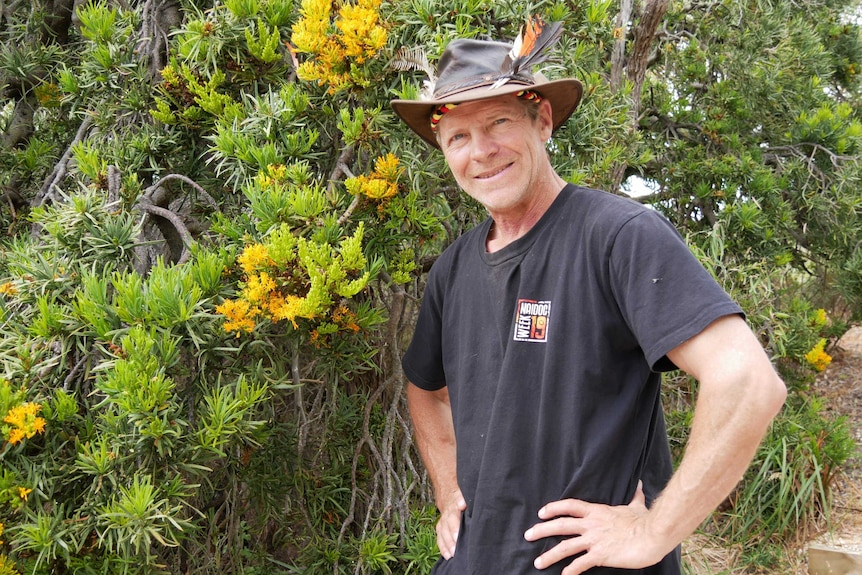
point(491, 173)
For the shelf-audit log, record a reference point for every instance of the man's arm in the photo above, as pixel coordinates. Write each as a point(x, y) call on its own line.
point(739, 395)
point(435, 437)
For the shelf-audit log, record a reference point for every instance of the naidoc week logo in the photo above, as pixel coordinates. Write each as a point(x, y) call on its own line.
point(531, 320)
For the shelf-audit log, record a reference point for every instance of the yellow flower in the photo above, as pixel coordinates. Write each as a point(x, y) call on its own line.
point(374, 188)
point(253, 257)
point(819, 318)
point(24, 422)
point(310, 32)
point(345, 318)
point(377, 189)
point(277, 171)
point(7, 567)
point(16, 435)
point(357, 37)
point(258, 287)
point(240, 315)
point(290, 308)
point(360, 34)
point(23, 492)
point(387, 168)
point(818, 358)
point(8, 289)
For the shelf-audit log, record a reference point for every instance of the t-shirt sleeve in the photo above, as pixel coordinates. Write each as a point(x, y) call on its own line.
point(664, 293)
point(423, 361)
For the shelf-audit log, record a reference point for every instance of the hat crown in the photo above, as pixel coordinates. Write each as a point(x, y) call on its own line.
point(467, 64)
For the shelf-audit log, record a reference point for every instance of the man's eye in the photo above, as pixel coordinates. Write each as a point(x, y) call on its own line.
point(454, 139)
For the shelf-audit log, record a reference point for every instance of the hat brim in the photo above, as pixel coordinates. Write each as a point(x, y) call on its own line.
point(564, 96)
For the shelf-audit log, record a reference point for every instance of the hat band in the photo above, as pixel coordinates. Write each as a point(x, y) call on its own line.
point(524, 77)
point(438, 112)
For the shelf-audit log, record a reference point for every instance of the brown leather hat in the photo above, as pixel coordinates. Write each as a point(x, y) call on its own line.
point(471, 70)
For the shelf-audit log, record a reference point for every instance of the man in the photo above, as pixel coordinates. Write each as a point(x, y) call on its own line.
point(535, 365)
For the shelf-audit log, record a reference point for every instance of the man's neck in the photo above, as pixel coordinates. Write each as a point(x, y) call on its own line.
point(508, 227)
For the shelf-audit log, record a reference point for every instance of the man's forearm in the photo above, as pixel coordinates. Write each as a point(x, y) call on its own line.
point(737, 400)
point(435, 438)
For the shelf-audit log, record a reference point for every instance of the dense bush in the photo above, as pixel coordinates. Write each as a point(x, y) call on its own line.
point(216, 234)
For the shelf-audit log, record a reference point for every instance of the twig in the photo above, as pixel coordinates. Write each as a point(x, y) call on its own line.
point(149, 192)
point(59, 171)
point(350, 209)
point(67, 382)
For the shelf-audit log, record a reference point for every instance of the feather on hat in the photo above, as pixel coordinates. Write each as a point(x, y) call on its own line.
point(471, 70)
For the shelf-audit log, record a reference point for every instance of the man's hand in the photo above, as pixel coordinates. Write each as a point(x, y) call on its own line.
point(435, 437)
point(449, 523)
point(607, 536)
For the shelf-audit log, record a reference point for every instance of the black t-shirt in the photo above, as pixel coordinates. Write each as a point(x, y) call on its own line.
point(551, 349)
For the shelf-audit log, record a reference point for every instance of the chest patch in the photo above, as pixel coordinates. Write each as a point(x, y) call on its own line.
point(532, 319)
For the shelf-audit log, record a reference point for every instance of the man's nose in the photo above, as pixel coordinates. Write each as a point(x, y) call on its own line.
point(482, 144)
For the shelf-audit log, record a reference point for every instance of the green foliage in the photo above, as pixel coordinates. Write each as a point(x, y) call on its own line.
point(170, 444)
point(789, 481)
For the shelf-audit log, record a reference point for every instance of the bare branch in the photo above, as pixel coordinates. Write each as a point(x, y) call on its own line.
point(349, 212)
point(176, 222)
point(46, 192)
point(342, 167)
point(149, 193)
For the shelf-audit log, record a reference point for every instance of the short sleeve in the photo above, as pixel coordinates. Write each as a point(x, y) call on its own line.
point(664, 293)
point(423, 361)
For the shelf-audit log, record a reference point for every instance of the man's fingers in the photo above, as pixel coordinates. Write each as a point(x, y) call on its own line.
point(447, 532)
point(639, 500)
point(446, 541)
point(566, 548)
point(559, 526)
point(564, 507)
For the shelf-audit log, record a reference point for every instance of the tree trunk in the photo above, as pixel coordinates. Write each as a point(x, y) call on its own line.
point(644, 36)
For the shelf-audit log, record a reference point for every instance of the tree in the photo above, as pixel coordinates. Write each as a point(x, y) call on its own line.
point(216, 235)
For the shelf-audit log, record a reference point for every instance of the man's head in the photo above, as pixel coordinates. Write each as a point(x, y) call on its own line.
point(495, 148)
point(471, 70)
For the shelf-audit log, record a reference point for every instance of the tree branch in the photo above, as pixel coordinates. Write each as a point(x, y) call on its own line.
point(149, 193)
point(176, 222)
point(618, 56)
point(59, 172)
point(644, 36)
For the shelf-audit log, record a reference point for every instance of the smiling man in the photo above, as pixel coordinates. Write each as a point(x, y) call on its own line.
point(536, 363)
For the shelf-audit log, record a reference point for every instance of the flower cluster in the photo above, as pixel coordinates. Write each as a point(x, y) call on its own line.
point(291, 278)
point(49, 95)
point(381, 183)
point(817, 357)
point(8, 288)
point(23, 422)
point(20, 420)
point(335, 54)
point(342, 319)
point(261, 297)
point(819, 318)
point(273, 175)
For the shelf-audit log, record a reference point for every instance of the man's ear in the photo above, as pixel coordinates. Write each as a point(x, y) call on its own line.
point(545, 120)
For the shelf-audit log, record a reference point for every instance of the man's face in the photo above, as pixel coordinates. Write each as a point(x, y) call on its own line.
point(495, 150)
